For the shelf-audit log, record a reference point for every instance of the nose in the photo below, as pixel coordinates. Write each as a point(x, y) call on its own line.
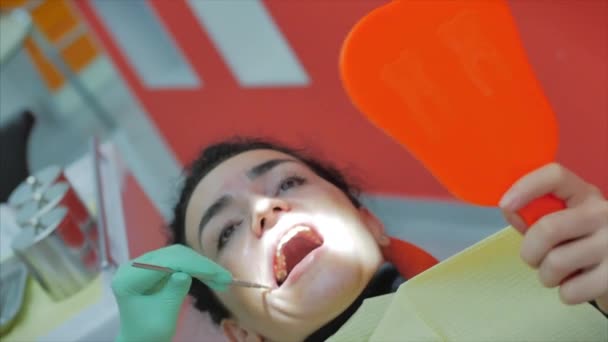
point(267, 212)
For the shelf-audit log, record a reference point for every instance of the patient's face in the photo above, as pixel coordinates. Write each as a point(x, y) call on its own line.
point(269, 219)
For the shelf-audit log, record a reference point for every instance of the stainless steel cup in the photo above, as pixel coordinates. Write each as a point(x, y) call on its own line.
point(59, 194)
point(62, 261)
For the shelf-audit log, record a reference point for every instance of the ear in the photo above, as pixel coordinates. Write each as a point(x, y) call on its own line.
point(236, 333)
point(375, 226)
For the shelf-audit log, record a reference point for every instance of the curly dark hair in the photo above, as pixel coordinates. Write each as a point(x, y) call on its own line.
point(210, 157)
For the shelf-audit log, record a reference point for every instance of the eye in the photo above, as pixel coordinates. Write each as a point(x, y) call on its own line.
point(226, 233)
point(290, 182)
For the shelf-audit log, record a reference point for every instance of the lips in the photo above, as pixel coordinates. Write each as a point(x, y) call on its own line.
point(292, 248)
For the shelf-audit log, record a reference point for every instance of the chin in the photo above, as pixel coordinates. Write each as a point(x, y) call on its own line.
point(336, 285)
point(328, 287)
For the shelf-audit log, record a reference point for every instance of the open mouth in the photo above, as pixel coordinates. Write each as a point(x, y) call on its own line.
point(293, 247)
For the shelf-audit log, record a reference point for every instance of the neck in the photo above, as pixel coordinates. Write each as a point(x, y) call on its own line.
point(386, 280)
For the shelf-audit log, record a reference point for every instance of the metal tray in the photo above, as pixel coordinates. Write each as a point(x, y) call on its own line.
point(13, 279)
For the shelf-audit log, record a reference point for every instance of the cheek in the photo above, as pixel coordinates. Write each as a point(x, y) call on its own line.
point(244, 259)
point(243, 256)
point(335, 280)
point(327, 197)
point(333, 204)
point(245, 304)
point(344, 229)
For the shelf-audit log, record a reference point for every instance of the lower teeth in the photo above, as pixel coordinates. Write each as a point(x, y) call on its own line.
point(280, 268)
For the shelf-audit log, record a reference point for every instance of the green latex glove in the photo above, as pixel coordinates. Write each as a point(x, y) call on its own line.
point(149, 301)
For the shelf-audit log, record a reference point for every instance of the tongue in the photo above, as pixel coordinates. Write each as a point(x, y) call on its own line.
point(296, 249)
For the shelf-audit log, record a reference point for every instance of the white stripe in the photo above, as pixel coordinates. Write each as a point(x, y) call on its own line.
point(250, 42)
point(70, 37)
point(442, 228)
point(144, 41)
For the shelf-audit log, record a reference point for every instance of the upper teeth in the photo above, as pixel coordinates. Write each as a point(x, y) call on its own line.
point(290, 234)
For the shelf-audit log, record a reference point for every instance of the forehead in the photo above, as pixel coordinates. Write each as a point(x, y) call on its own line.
point(229, 175)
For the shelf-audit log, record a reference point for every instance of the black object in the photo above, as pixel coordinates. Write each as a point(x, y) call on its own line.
point(14, 136)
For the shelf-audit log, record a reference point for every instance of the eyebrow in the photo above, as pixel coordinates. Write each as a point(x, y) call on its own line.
point(265, 167)
point(217, 206)
point(224, 201)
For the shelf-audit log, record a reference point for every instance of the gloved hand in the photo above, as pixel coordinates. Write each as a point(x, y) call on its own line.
point(149, 301)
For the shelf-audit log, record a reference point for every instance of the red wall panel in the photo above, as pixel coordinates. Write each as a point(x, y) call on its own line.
point(566, 43)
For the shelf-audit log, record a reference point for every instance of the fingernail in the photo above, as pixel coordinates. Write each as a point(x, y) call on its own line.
point(516, 221)
point(384, 240)
point(218, 286)
point(223, 277)
point(181, 276)
point(508, 202)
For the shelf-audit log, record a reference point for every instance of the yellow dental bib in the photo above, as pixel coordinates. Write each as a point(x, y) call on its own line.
point(485, 293)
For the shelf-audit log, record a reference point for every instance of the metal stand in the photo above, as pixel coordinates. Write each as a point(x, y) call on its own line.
point(102, 115)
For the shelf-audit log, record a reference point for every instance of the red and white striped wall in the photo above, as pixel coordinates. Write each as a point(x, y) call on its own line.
point(205, 70)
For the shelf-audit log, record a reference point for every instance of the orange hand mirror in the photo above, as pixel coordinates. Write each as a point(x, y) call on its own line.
point(452, 83)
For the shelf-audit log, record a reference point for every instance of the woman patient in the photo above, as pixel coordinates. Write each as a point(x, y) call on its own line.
point(272, 215)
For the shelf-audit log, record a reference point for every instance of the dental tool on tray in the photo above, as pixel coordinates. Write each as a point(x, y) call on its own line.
point(234, 282)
